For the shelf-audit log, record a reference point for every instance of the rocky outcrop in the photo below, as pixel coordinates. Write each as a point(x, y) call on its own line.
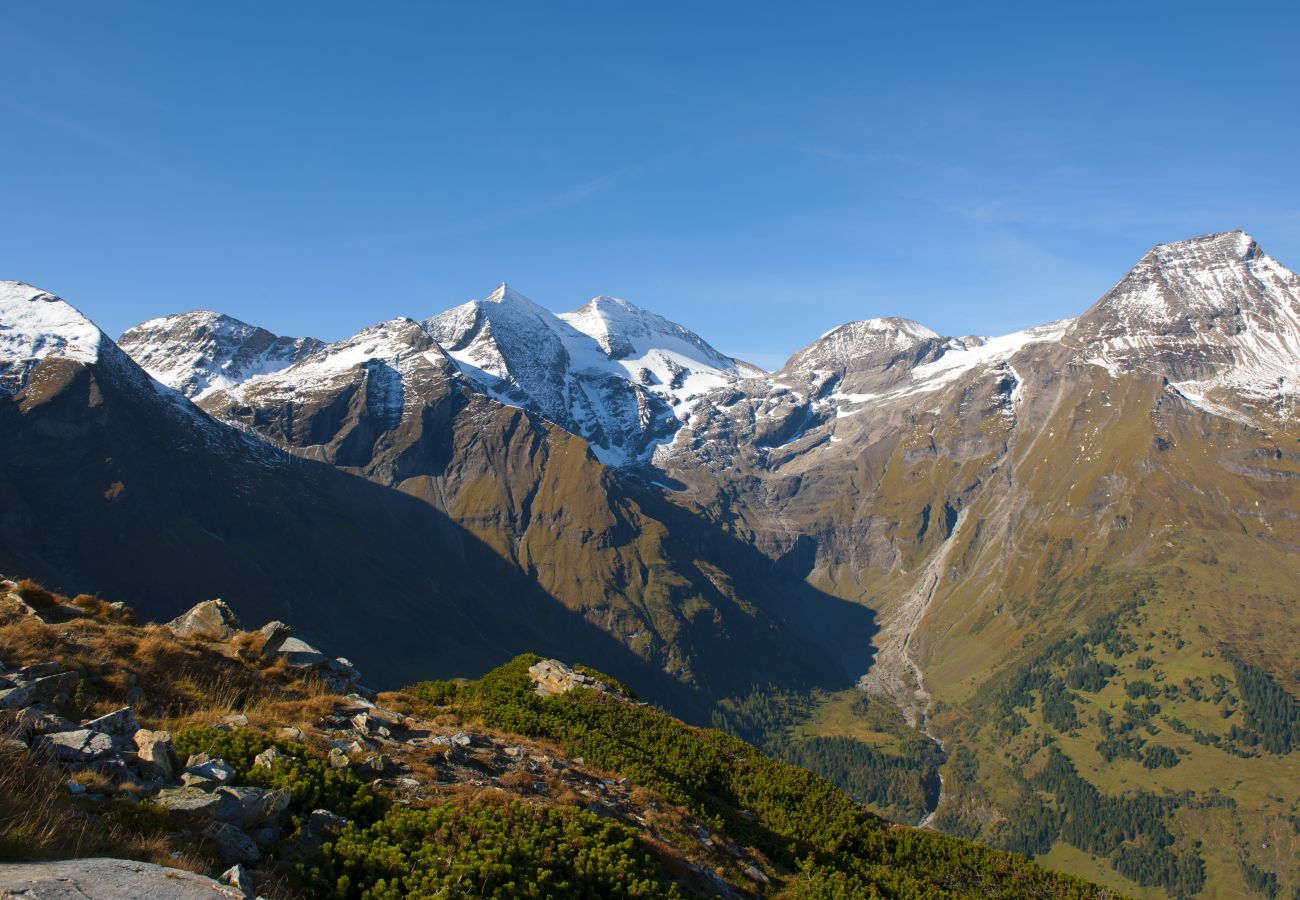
point(551, 677)
point(211, 619)
point(107, 879)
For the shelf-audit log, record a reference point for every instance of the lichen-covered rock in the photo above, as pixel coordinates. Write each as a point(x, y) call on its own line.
point(212, 619)
point(107, 879)
point(189, 805)
point(80, 746)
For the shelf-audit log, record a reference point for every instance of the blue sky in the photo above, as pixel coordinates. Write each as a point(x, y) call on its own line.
point(759, 172)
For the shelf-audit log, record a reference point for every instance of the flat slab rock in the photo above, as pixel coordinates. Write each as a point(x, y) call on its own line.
point(106, 879)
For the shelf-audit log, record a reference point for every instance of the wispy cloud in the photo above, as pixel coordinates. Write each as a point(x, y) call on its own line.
point(531, 209)
point(93, 137)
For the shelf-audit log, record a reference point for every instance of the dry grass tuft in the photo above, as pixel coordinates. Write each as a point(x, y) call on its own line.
point(38, 820)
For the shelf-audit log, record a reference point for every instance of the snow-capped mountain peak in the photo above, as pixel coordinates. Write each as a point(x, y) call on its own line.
point(1210, 313)
point(623, 329)
point(199, 352)
point(35, 324)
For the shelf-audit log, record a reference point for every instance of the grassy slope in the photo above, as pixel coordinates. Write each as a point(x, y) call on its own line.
point(818, 842)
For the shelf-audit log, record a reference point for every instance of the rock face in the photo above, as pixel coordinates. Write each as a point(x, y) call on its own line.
point(551, 677)
point(107, 879)
point(222, 351)
point(211, 619)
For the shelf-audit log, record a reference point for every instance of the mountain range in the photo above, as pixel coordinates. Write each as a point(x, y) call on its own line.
point(1068, 555)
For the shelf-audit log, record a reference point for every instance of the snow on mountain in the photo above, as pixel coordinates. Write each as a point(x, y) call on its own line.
point(616, 374)
point(1215, 315)
point(199, 352)
point(672, 361)
point(35, 324)
point(386, 357)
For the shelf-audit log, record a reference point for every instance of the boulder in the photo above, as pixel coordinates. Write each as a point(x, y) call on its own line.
point(37, 720)
point(211, 619)
point(551, 677)
point(238, 878)
point(273, 634)
point(118, 723)
point(157, 754)
point(204, 767)
point(338, 759)
point(268, 758)
point(17, 697)
point(321, 825)
point(251, 806)
point(324, 822)
point(39, 670)
point(298, 654)
point(231, 844)
point(107, 879)
point(80, 746)
point(189, 805)
point(56, 688)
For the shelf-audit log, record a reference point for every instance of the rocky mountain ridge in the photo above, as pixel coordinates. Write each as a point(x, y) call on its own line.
point(921, 512)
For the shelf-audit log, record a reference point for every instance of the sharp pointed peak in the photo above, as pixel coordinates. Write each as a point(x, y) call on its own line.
point(504, 293)
point(1231, 245)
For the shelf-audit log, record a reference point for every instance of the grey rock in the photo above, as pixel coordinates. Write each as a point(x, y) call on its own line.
point(119, 723)
point(251, 806)
point(212, 619)
point(299, 654)
point(268, 758)
point(202, 766)
point(17, 697)
point(320, 826)
point(106, 879)
point(39, 670)
point(81, 746)
point(322, 821)
point(189, 805)
point(238, 878)
point(274, 634)
point(54, 688)
point(338, 759)
point(37, 720)
point(231, 844)
point(156, 754)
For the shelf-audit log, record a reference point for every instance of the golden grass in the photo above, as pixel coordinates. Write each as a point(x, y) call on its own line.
point(39, 820)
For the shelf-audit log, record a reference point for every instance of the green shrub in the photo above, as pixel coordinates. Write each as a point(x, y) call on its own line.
point(435, 693)
point(486, 849)
point(311, 782)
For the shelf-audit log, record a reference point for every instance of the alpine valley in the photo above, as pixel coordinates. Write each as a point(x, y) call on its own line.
point(1036, 590)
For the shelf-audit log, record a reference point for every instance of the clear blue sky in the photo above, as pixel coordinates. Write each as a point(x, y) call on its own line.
point(759, 172)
